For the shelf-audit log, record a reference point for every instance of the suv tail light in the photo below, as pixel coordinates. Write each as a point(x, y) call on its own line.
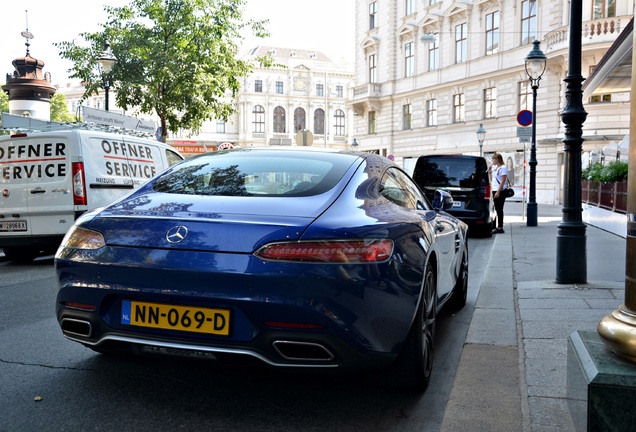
point(79, 185)
point(487, 192)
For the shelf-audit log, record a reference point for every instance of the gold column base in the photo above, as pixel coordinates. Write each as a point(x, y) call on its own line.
point(618, 331)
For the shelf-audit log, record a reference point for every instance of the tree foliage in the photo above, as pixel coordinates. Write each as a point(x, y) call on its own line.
point(59, 109)
point(611, 172)
point(175, 58)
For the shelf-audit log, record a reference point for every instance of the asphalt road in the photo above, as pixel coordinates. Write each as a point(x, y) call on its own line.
point(50, 383)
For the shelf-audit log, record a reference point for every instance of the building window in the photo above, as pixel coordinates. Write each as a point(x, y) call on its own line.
point(339, 91)
point(433, 54)
point(279, 87)
point(373, 12)
point(409, 60)
point(528, 21)
point(601, 98)
point(339, 122)
point(320, 90)
point(299, 119)
point(604, 9)
point(259, 119)
point(525, 95)
point(220, 126)
point(458, 108)
point(492, 33)
point(406, 116)
point(279, 119)
point(432, 2)
point(431, 112)
point(490, 102)
point(409, 7)
point(461, 43)
point(258, 86)
point(372, 68)
point(371, 122)
point(319, 121)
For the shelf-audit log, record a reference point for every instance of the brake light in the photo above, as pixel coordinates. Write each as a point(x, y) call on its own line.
point(81, 306)
point(79, 185)
point(487, 192)
point(18, 135)
point(329, 251)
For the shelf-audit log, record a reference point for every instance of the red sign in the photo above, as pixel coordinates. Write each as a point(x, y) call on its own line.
point(524, 118)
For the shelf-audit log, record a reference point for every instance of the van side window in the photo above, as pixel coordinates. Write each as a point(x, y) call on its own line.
point(172, 158)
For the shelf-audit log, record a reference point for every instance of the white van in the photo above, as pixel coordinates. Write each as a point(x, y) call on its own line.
point(48, 179)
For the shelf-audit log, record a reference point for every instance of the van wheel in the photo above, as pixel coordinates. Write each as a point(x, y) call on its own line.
point(21, 254)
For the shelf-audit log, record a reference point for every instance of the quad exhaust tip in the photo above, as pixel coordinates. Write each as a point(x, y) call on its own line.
point(293, 350)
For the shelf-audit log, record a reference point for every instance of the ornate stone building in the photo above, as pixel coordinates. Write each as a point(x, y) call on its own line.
point(429, 72)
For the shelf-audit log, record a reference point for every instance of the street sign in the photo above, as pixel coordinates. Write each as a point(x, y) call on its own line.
point(524, 118)
point(524, 132)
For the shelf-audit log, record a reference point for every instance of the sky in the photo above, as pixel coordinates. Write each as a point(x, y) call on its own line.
point(327, 26)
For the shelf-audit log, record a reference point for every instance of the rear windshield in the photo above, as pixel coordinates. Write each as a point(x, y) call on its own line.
point(468, 172)
point(256, 173)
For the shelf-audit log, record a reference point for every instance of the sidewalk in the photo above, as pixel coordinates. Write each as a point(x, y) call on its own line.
point(512, 372)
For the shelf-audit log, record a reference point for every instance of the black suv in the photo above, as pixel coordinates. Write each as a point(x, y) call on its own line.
point(466, 179)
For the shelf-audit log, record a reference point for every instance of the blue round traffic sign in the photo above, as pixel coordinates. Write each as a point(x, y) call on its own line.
point(524, 118)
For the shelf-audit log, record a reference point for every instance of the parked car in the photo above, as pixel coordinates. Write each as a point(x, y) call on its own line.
point(294, 258)
point(466, 179)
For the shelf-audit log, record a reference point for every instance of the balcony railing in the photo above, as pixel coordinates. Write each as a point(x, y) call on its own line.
point(367, 91)
point(601, 30)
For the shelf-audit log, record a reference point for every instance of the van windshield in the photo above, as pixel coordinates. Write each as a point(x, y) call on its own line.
point(459, 172)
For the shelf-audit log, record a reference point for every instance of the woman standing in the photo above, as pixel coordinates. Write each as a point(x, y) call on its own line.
point(499, 173)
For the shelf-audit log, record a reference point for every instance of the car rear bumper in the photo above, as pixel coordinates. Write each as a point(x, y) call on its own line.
point(329, 316)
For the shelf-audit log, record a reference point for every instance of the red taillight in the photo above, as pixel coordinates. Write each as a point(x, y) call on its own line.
point(487, 192)
point(286, 325)
point(329, 251)
point(82, 306)
point(19, 135)
point(79, 185)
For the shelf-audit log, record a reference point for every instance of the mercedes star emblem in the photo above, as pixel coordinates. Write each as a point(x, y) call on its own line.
point(176, 234)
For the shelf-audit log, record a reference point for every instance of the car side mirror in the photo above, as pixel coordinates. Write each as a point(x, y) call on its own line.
point(442, 200)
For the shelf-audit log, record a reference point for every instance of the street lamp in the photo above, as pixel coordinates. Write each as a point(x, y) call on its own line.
point(106, 63)
point(354, 145)
point(536, 63)
point(481, 135)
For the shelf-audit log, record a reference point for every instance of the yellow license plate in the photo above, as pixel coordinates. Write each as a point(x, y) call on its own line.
point(171, 317)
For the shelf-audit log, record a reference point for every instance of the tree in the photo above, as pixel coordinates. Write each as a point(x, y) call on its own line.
point(59, 109)
point(4, 102)
point(175, 58)
point(4, 106)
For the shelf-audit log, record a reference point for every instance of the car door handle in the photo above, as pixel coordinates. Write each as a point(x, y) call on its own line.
point(37, 191)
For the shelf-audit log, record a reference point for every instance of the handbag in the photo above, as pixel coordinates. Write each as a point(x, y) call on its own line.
point(509, 192)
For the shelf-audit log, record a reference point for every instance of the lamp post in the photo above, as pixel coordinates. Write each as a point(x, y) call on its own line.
point(481, 135)
point(106, 63)
point(536, 63)
point(571, 257)
point(354, 145)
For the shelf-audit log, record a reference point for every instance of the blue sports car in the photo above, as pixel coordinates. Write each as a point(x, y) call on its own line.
point(293, 257)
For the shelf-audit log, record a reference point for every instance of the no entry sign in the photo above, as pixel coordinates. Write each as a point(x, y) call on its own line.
point(524, 118)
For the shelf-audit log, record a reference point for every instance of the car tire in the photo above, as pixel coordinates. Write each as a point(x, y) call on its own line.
point(460, 290)
point(412, 369)
point(20, 254)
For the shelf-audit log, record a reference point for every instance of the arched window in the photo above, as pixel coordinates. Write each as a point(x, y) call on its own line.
point(339, 122)
point(279, 119)
point(319, 121)
point(259, 119)
point(299, 119)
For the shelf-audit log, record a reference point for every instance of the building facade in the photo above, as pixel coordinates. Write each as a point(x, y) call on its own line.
point(428, 73)
point(301, 100)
